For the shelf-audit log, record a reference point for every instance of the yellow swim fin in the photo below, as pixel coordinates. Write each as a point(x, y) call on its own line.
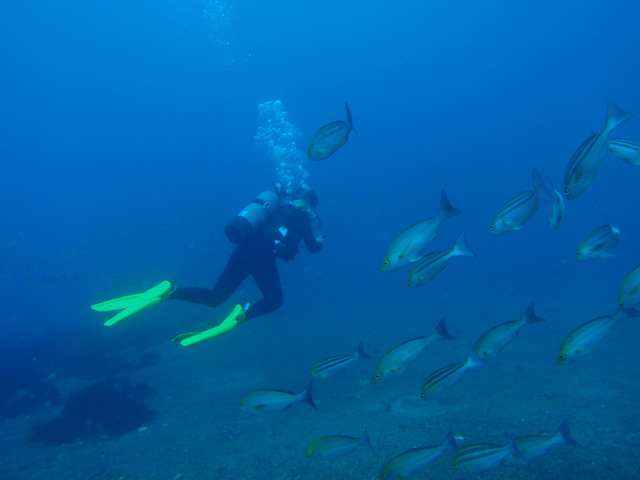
point(132, 303)
point(227, 324)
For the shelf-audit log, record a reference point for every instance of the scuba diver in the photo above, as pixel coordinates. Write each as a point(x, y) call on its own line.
point(270, 227)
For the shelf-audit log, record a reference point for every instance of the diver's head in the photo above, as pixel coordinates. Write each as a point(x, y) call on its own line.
point(307, 195)
point(311, 198)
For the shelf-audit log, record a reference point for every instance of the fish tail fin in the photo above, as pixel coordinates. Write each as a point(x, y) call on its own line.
point(366, 440)
point(441, 331)
point(564, 433)
point(541, 187)
point(615, 115)
point(362, 355)
point(446, 210)
point(473, 359)
point(461, 247)
point(530, 316)
point(306, 395)
point(450, 441)
point(349, 119)
point(513, 447)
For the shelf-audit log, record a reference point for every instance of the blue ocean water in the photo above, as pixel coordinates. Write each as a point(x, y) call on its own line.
point(128, 140)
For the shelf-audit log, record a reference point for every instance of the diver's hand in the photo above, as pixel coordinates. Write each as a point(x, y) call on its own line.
point(320, 238)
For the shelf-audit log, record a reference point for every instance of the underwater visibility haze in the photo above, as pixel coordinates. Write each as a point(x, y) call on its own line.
point(133, 133)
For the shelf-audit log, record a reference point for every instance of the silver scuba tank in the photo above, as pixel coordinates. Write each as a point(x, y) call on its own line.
point(251, 218)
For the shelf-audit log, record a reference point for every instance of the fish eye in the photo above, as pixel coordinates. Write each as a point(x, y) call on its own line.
point(620, 302)
point(567, 191)
point(455, 466)
point(577, 253)
point(378, 376)
point(385, 263)
point(492, 227)
point(562, 356)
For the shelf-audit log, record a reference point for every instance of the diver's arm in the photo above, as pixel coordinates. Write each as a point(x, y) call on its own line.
point(313, 245)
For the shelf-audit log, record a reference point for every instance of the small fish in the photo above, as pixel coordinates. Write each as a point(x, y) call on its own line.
point(417, 459)
point(401, 356)
point(493, 341)
point(629, 295)
point(584, 164)
point(598, 243)
point(337, 445)
point(332, 365)
point(534, 446)
point(482, 457)
point(558, 209)
point(517, 211)
point(407, 246)
point(429, 266)
point(330, 138)
point(585, 337)
point(261, 401)
point(628, 150)
point(449, 375)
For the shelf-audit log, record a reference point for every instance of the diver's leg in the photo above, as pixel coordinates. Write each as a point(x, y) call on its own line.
point(237, 269)
point(265, 273)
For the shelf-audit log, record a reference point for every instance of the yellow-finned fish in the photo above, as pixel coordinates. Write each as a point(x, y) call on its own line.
point(337, 445)
point(628, 150)
point(584, 164)
point(493, 341)
point(407, 246)
point(331, 365)
point(629, 295)
point(520, 208)
point(261, 401)
point(429, 266)
point(330, 138)
point(449, 375)
point(401, 356)
point(417, 459)
point(598, 243)
point(534, 446)
point(585, 337)
point(482, 457)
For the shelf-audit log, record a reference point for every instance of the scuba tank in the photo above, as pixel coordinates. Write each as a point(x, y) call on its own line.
point(251, 218)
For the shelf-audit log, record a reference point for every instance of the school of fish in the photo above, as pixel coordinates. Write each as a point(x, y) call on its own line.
point(409, 247)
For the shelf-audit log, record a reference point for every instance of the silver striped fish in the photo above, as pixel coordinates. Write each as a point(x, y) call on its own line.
point(626, 149)
point(517, 211)
point(429, 266)
point(584, 164)
point(407, 246)
point(331, 365)
point(582, 340)
point(598, 243)
point(629, 295)
point(417, 459)
point(330, 138)
point(534, 446)
point(401, 356)
point(261, 401)
point(482, 457)
point(493, 341)
point(449, 375)
point(335, 446)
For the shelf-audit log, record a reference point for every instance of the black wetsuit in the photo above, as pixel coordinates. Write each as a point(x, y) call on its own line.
point(278, 237)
